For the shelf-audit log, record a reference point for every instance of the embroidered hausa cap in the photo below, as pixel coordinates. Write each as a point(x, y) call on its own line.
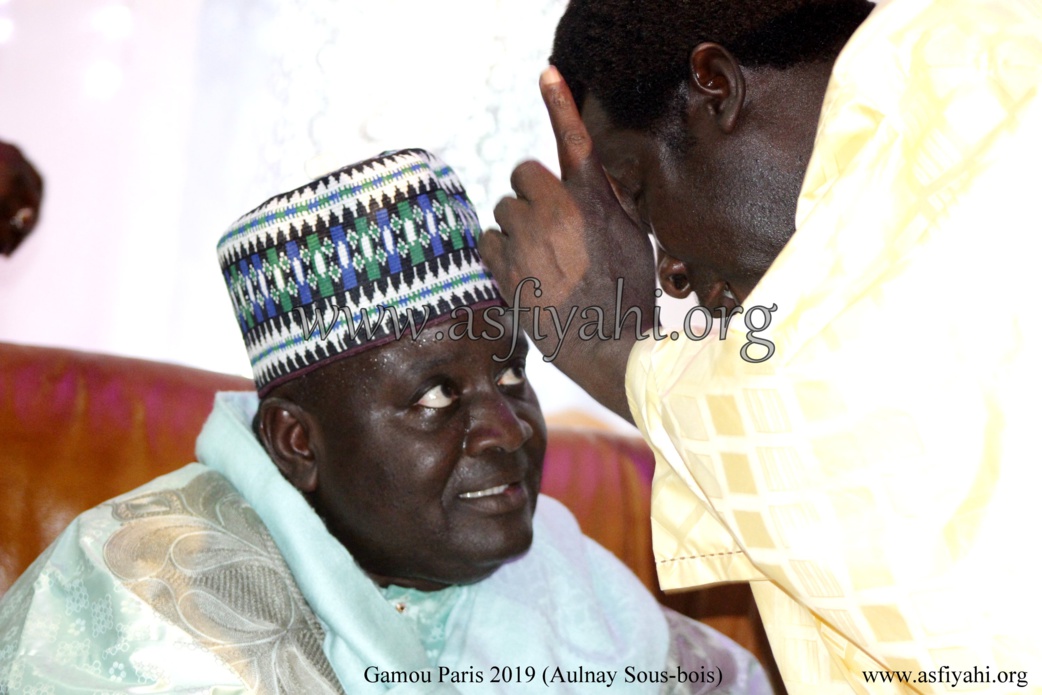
point(352, 260)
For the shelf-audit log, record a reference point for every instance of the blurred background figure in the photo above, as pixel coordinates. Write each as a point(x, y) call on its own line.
point(21, 190)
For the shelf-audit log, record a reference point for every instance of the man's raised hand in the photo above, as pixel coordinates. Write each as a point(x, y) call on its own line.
point(574, 237)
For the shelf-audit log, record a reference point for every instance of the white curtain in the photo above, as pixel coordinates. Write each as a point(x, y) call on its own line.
point(157, 122)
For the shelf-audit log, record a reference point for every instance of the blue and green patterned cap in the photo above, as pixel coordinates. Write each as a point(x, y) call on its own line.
point(351, 261)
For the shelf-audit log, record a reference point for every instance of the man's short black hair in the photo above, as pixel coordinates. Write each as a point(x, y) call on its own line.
point(633, 54)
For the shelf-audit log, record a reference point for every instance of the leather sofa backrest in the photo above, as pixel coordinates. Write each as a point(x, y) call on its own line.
point(78, 428)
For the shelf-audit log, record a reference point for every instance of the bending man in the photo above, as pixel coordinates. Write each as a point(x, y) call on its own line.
point(871, 477)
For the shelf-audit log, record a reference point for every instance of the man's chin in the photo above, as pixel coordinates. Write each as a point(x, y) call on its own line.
point(490, 559)
point(490, 569)
point(464, 565)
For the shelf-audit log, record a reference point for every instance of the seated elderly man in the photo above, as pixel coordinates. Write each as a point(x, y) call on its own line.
point(370, 524)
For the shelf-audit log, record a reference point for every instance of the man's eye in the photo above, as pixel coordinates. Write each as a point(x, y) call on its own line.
point(640, 212)
point(438, 397)
point(512, 376)
point(629, 202)
point(632, 209)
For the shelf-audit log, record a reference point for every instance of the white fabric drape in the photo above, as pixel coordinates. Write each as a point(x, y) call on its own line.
point(157, 123)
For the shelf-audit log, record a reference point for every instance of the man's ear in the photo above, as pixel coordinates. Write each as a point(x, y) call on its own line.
point(716, 77)
point(287, 433)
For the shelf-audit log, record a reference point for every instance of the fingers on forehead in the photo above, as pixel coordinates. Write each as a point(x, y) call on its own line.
point(489, 244)
point(505, 212)
point(529, 177)
point(574, 146)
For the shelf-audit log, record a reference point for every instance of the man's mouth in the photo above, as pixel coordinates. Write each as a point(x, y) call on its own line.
point(487, 492)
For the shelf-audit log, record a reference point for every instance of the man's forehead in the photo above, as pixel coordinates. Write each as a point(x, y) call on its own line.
point(620, 150)
point(454, 342)
point(595, 117)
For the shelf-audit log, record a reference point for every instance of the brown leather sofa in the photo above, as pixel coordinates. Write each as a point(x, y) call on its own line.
point(78, 428)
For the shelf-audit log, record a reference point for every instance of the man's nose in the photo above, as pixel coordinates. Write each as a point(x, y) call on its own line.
point(496, 422)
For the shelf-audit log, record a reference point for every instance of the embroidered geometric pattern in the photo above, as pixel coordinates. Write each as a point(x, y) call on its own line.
point(346, 261)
